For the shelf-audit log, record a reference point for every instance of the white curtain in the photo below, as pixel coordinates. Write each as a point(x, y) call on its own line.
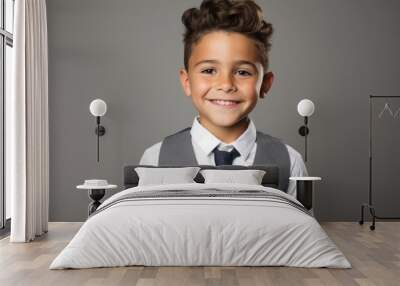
point(27, 137)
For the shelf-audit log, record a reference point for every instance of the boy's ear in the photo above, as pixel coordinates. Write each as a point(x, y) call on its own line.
point(184, 77)
point(266, 84)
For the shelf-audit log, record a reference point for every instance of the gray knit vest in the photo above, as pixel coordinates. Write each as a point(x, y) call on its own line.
point(177, 150)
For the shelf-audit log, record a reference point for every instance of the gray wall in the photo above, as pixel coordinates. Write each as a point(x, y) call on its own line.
point(129, 52)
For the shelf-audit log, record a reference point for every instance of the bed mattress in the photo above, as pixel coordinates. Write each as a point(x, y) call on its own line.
point(201, 225)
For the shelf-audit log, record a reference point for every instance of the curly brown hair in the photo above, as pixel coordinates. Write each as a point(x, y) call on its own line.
point(241, 16)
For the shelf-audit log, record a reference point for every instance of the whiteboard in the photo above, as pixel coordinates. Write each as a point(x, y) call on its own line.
point(385, 152)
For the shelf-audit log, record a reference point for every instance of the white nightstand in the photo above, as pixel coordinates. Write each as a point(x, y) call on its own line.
point(304, 190)
point(96, 191)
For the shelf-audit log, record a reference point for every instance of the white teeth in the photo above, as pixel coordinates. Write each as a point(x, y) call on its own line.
point(224, 102)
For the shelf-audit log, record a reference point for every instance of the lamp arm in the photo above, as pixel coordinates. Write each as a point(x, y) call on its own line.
point(305, 138)
point(98, 135)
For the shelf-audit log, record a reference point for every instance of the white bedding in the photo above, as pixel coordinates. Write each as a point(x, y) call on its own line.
point(186, 230)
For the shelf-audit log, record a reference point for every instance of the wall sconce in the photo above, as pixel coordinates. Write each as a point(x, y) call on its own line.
point(305, 108)
point(98, 108)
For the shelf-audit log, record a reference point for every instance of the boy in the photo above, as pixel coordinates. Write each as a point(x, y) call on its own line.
point(225, 71)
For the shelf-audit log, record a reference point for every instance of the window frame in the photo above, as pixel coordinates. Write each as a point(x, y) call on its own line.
point(6, 39)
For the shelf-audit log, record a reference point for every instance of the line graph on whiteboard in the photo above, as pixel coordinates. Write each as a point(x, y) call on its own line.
point(388, 111)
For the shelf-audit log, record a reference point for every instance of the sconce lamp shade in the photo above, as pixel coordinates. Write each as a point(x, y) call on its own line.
point(98, 107)
point(305, 107)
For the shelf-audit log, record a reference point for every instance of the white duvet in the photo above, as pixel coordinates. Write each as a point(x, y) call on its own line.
point(180, 231)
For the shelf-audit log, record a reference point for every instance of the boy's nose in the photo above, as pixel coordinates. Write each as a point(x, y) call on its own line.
point(227, 84)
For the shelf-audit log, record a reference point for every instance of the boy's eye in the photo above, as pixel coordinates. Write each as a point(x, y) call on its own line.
point(208, 71)
point(244, 73)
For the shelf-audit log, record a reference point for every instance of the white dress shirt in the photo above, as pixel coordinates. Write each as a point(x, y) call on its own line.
point(204, 142)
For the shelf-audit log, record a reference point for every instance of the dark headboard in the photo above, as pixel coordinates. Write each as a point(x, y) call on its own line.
point(270, 179)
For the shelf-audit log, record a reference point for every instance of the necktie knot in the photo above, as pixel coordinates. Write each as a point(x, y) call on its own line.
point(225, 157)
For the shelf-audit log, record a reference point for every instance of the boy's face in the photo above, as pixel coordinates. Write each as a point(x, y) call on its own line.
point(225, 78)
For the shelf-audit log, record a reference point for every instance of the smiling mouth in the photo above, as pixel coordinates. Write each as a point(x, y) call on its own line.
point(224, 103)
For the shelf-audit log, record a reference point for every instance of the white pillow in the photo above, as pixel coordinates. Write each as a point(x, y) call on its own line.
point(161, 176)
point(249, 177)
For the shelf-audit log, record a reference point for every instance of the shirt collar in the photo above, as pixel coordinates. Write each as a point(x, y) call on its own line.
point(207, 141)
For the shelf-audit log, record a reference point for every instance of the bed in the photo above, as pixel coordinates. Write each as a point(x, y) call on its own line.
point(201, 223)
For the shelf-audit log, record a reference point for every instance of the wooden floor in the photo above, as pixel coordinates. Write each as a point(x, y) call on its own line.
point(375, 257)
